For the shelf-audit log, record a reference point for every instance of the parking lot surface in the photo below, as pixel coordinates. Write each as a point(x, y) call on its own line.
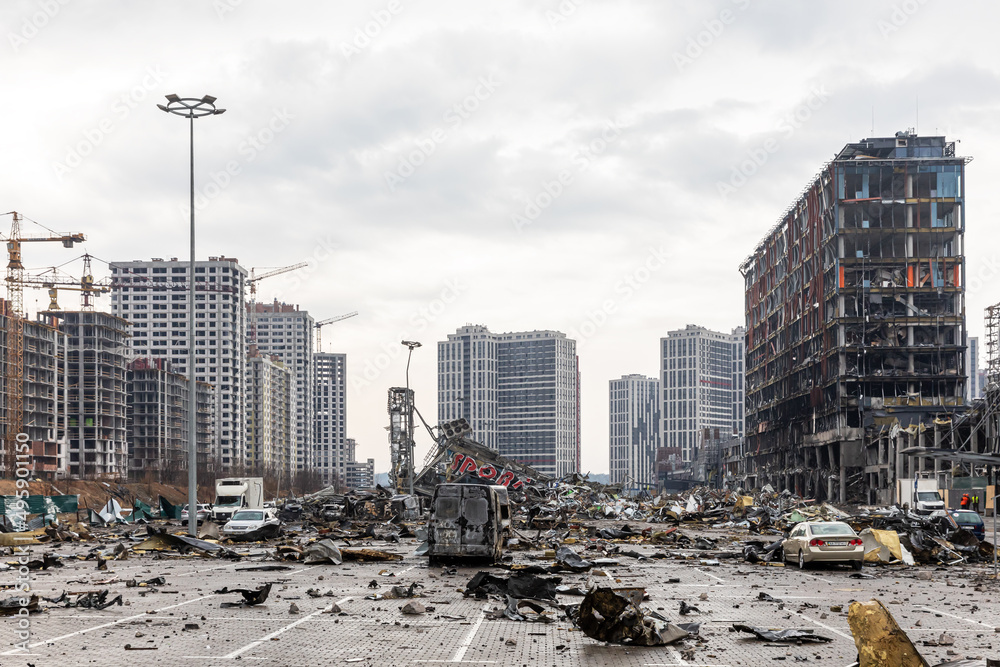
point(183, 623)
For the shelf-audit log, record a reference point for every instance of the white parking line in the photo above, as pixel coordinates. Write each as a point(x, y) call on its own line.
point(812, 576)
point(279, 631)
point(305, 569)
point(207, 569)
point(103, 625)
point(823, 625)
point(460, 653)
point(712, 575)
point(967, 620)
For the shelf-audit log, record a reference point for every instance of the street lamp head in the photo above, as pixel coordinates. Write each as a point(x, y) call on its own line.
point(410, 343)
point(191, 107)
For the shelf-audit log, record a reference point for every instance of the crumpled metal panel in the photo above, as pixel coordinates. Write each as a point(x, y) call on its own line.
point(613, 616)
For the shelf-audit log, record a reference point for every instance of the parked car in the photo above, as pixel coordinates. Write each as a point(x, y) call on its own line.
point(944, 517)
point(247, 521)
point(824, 541)
point(204, 509)
point(970, 521)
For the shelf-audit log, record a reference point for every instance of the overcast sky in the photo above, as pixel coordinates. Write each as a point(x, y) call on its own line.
point(594, 167)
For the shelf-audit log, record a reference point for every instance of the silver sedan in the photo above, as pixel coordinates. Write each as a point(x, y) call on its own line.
point(826, 541)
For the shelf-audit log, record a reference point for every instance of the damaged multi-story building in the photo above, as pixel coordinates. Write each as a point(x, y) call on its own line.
point(855, 318)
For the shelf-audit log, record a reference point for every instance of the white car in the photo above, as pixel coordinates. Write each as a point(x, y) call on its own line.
point(248, 521)
point(203, 511)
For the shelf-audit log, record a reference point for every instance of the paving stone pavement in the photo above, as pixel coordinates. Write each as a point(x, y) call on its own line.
point(149, 628)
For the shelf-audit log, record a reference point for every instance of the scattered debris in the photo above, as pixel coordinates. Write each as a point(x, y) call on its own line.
point(612, 616)
point(87, 600)
point(788, 635)
point(12, 606)
point(520, 585)
point(250, 597)
point(413, 608)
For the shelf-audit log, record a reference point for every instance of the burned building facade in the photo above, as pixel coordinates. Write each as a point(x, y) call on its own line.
point(855, 318)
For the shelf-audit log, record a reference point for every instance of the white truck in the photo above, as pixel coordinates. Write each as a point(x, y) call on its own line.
point(236, 493)
point(921, 495)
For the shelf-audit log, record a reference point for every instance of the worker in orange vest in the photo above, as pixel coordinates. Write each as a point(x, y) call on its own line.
point(965, 501)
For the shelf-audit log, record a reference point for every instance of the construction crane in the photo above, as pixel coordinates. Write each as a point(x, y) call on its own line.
point(319, 327)
point(252, 281)
point(15, 323)
point(54, 280)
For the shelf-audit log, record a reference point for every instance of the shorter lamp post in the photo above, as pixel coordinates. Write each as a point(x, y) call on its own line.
point(995, 535)
point(411, 344)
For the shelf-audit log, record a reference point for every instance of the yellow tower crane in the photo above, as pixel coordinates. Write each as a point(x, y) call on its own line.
point(15, 328)
point(252, 281)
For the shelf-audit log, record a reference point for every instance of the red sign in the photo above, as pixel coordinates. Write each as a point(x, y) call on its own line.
point(463, 464)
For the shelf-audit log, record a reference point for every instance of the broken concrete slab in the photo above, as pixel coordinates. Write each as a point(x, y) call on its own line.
point(879, 639)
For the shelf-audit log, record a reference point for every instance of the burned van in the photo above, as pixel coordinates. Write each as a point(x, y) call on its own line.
point(468, 521)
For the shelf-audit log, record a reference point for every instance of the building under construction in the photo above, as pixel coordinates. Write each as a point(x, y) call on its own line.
point(43, 391)
point(96, 402)
point(158, 412)
point(855, 317)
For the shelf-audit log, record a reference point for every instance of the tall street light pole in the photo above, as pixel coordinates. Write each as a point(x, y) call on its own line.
point(411, 344)
point(191, 108)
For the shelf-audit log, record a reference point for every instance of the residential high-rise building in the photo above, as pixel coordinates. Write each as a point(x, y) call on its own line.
point(153, 296)
point(269, 417)
point(360, 474)
point(330, 455)
point(701, 374)
point(158, 412)
point(855, 315)
point(634, 431)
point(468, 381)
point(95, 367)
point(287, 332)
point(519, 392)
